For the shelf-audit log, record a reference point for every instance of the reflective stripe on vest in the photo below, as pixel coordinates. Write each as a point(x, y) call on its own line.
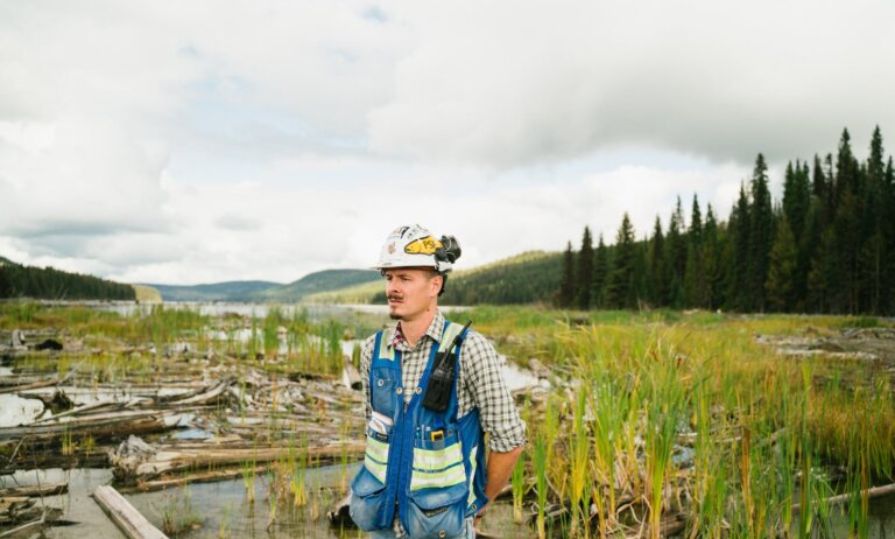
point(472, 459)
point(437, 468)
point(376, 458)
point(386, 351)
point(448, 335)
point(454, 475)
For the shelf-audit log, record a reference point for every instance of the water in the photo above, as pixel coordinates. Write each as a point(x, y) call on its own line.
point(315, 311)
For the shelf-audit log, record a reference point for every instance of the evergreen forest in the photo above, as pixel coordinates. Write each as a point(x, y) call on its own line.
point(827, 247)
point(17, 280)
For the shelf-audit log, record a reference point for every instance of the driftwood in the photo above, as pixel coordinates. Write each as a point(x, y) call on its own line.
point(34, 491)
point(164, 462)
point(18, 509)
point(351, 378)
point(129, 520)
point(211, 395)
point(872, 492)
point(80, 410)
point(198, 477)
point(34, 385)
point(96, 425)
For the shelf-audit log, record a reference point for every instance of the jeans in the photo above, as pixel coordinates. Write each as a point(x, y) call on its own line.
point(390, 534)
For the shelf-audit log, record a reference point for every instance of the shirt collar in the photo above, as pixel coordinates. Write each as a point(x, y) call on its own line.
point(434, 331)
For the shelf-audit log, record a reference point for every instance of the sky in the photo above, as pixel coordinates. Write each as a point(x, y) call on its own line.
point(206, 141)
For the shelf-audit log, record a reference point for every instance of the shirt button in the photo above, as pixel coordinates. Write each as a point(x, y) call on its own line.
point(399, 390)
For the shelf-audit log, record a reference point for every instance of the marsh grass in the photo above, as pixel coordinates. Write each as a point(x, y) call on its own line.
point(666, 412)
point(540, 470)
point(688, 413)
point(178, 514)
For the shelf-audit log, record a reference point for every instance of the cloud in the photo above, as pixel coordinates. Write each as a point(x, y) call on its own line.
point(204, 141)
point(716, 80)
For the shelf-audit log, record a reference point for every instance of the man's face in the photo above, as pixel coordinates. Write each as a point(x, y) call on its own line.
point(410, 291)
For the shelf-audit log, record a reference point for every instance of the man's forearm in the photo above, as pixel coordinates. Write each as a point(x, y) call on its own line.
point(500, 467)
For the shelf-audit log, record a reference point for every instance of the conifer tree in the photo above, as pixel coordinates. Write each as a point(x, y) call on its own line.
point(712, 255)
point(585, 270)
point(658, 286)
point(846, 230)
point(760, 234)
point(888, 288)
point(601, 274)
point(872, 255)
point(796, 197)
point(781, 271)
point(738, 293)
point(676, 257)
point(567, 284)
point(621, 288)
point(695, 288)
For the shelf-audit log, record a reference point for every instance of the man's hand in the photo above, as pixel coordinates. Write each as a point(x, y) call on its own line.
point(500, 467)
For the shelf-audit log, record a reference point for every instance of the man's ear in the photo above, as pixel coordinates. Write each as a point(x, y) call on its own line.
point(435, 283)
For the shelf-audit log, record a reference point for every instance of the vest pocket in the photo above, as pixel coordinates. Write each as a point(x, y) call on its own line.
point(436, 513)
point(438, 489)
point(385, 384)
point(437, 464)
point(368, 486)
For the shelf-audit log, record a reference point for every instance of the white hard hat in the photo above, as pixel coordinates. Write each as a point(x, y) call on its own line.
point(415, 246)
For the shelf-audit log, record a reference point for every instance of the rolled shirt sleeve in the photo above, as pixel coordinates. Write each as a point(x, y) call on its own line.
point(482, 378)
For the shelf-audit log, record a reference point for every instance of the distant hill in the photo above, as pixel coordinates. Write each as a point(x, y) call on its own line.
point(321, 281)
point(18, 280)
point(528, 277)
point(226, 291)
point(267, 291)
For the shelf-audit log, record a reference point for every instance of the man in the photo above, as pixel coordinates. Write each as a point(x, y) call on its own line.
point(432, 389)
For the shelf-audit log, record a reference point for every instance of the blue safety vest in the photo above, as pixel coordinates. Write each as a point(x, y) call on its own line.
point(429, 469)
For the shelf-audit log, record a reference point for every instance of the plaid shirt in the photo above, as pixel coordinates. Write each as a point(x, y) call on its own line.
point(480, 383)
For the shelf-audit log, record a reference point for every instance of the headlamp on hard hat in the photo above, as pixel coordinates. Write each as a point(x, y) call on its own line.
point(449, 250)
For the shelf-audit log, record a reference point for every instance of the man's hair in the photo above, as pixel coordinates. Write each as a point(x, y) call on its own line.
point(443, 282)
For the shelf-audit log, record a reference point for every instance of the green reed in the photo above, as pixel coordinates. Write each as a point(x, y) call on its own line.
point(540, 470)
point(665, 406)
point(517, 485)
point(579, 460)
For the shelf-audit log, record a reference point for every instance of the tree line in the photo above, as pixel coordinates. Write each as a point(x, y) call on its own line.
point(17, 280)
point(827, 247)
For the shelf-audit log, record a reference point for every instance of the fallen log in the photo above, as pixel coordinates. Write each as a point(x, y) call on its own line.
point(108, 429)
point(175, 461)
point(34, 385)
point(199, 477)
point(35, 491)
point(129, 520)
point(18, 509)
point(210, 395)
point(872, 492)
point(78, 410)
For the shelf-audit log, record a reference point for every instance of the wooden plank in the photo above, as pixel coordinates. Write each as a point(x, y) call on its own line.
point(129, 520)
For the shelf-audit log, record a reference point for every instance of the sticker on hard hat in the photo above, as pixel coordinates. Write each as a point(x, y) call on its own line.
point(423, 246)
point(391, 248)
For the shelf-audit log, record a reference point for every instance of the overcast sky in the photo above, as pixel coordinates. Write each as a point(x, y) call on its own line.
point(188, 142)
